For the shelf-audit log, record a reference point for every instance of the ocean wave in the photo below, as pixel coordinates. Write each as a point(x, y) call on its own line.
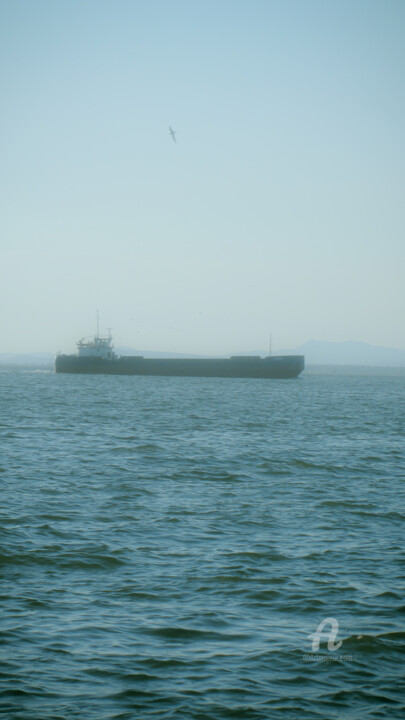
point(169, 549)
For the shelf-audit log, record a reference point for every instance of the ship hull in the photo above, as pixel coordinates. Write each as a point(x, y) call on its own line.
point(287, 366)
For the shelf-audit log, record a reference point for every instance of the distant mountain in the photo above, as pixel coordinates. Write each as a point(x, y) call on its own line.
point(35, 360)
point(315, 351)
point(348, 353)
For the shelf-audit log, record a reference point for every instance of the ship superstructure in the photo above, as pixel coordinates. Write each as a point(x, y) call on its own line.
point(98, 347)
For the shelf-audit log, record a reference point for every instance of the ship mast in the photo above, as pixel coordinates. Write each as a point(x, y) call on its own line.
point(98, 322)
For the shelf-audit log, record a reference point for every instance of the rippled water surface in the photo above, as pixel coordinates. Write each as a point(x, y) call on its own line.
point(169, 544)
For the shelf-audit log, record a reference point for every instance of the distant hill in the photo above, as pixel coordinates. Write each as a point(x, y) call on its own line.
point(26, 360)
point(315, 351)
point(348, 353)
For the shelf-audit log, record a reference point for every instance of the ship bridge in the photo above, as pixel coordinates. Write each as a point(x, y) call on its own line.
point(99, 347)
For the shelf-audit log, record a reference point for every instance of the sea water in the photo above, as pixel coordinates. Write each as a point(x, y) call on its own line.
point(202, 548)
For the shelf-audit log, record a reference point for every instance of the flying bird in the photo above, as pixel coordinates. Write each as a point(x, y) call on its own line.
point(172, 133)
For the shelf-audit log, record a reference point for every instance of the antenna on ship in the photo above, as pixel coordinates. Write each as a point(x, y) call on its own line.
point(98, 322)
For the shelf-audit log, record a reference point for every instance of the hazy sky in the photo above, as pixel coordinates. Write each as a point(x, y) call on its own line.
point(281, 206)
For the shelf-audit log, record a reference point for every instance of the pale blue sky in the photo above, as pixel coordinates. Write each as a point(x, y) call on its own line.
point(280, 207)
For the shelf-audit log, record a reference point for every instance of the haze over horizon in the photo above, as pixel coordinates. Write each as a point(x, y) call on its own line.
point(278, 208)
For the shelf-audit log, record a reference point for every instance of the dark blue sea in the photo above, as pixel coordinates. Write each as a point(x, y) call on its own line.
point(202, 548)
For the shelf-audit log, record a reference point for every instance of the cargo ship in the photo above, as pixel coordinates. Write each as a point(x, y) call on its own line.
point(97, 357)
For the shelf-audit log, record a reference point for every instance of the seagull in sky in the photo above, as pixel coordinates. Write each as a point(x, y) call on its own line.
point(172, 133)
